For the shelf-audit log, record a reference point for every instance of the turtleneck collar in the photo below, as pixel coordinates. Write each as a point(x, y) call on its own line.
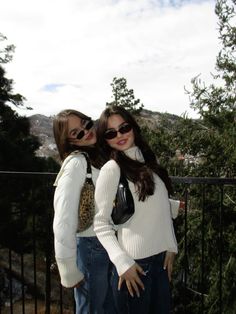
point(135, 153)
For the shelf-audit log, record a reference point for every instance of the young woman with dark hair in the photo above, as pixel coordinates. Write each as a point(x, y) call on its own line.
point(82, 261)
point(143, 248)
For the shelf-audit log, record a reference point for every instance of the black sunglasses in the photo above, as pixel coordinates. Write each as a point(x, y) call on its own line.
point(87, 127)
point(112, 133)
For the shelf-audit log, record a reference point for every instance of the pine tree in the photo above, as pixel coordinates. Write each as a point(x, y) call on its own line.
point(124, 97)
point(216, 103)
point(20, 195)
point(213, 139)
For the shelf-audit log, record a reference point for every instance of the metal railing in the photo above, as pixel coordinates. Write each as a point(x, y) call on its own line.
point(27, 258)
point(209, 204)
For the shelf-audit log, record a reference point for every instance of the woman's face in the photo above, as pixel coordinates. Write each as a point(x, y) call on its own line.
point(123, 132)
point(81, 132)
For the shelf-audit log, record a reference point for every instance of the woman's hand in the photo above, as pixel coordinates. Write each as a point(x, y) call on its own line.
point(168, 263)
point(132, 279)
point(181, 206)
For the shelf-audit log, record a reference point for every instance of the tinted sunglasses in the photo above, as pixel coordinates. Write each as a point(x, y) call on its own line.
point(112, 133)
point(87, 127)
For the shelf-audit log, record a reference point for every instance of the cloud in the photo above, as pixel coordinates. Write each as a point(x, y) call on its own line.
point(158, 46)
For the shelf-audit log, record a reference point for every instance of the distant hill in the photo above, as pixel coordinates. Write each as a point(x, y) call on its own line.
point(41, 126)
point(152, 119)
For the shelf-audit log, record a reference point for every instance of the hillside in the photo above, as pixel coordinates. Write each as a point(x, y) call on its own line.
point(41, 126)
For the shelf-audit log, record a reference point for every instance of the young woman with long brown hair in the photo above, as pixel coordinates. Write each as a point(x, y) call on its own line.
point(82, 261)
point(143, 248)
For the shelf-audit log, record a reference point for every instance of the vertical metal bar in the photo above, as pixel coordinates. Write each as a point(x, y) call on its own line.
point(22, 269)
point(203, 246)
point(48, 253)
point(185, 248)
point(22, 284)
point(34, 263)
point(74, 304)
point(220, 246)
point(48, 285)
point(61, 300)
point(10, 281)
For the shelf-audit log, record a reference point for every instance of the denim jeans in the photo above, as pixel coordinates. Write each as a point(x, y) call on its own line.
point(155, 299)
point(94, 296)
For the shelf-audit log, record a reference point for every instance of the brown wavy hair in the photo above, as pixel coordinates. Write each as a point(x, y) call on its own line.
point(141, 174)
point(60, 131)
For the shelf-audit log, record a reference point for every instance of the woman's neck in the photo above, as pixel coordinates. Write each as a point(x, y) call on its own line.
point(134, 153)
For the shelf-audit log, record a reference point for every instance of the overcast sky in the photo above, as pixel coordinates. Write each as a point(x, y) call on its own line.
point(68, 51)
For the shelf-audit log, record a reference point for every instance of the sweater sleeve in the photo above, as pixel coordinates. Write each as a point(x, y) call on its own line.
point(106, 188)
point(174, 206)
point(66, 200)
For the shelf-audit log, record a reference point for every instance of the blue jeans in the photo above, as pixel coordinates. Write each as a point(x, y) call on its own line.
point(94, 296)
point(155, 299)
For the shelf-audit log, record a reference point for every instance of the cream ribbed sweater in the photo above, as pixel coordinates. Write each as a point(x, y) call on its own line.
point(148, 232)
point(69, 183)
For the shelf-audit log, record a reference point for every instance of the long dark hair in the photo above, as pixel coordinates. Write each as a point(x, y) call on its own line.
point(138, 172)
point(60, 131)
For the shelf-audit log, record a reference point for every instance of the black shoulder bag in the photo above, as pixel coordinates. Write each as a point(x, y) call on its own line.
point(123, 207)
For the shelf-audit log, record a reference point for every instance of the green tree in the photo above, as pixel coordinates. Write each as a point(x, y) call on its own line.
point(216, 103)
point(212, 139)
point(124, 97)
point(18, 146)
point(6, 51)
point(20, 196)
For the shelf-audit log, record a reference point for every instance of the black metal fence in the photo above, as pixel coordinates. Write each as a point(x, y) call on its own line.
point(205, 231)
point(29, 282)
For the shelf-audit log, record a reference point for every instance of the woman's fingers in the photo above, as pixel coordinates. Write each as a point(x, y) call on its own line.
point(139, 282)
point(120, 283)
point(140, 270)
point(136, 288)
point(129, 287)
point(133, 281)
point(170, 268)
point(168, 263)
point(132, 287)
point(165, 263)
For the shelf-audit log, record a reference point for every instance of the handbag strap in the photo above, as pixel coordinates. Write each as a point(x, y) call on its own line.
point(89, 170)
point(123, 179)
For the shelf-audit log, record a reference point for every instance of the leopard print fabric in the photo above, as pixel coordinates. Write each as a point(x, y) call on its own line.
point(86, 206)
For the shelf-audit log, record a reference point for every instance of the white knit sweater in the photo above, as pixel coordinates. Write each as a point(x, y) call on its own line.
point(148, 232)
point(68, 184)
